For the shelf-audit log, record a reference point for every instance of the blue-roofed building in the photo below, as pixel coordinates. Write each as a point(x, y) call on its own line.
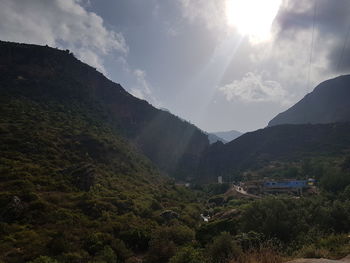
point(286, 184)
point(289, 186)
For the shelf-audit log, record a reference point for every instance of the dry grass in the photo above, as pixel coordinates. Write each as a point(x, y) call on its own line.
point(262, 255)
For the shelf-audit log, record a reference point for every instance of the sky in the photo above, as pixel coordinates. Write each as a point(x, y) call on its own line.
point(220, 64)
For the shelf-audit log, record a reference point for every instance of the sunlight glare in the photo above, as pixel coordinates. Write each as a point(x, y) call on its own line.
point(252, 18)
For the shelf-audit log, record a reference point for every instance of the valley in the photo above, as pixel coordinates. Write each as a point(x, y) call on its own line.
point(90, 173)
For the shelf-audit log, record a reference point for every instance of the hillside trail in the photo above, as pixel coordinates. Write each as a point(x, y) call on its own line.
point(320, 260)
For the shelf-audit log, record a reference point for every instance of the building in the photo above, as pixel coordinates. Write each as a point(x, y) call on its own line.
point(219, 179)
point(289, 186)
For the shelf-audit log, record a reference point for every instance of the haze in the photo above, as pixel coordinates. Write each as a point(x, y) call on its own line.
point(221, 65)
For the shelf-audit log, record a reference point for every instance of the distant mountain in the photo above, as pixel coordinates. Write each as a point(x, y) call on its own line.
point(228, 135)
point(213, 138)
point(224, 137)
point(279, 143)
point(329, 102)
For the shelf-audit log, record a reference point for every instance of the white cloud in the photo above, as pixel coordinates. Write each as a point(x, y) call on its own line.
point(143, 89)
point(60, 23)
point(255, 88)
point(209, 12)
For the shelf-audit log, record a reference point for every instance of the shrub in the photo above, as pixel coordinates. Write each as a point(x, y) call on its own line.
point(223, 248)
point(107, 255)
point(165, 240)
point(275, 218)
point(188, 255)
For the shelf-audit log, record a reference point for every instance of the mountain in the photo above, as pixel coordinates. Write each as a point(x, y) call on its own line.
point(223, 137)
point(43, 74)
point(228, 135)
point(73, 189)
point(213, 138)
point(329, 102)
point(75, 182)
point(285, 143)
point(81, 174)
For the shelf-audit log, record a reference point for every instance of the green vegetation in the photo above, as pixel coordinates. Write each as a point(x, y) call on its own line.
point(81, 180)
point(284, 144)
point(72, 189)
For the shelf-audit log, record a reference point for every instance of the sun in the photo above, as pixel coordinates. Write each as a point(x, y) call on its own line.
point(252, 18)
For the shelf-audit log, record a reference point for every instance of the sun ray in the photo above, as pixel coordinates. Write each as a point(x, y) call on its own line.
point(252, 18)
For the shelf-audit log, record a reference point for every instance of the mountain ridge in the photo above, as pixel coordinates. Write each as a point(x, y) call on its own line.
point(76, 184)
point(329, 102)
point(287, 142)
point(54, 74)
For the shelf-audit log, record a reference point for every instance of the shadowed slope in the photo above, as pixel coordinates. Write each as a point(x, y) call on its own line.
point(47, 74)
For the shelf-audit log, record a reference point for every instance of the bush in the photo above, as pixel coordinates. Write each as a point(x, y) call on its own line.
point(223, 248)
point(165, 240)
point(187, 255)
point(275, 218)
point(206, 232)
point(107, 255)
point(160, 250)
point(249, 240)
point(335, 180)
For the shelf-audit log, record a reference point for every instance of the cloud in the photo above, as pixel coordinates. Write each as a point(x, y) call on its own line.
point(208, 12)
point(330, 22)
point(143, 88)
point(60, 23)
point(307, 46)
point(255, 88)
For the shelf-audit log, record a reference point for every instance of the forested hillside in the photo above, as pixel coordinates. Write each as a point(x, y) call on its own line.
point(72, 187)
point(284, 143)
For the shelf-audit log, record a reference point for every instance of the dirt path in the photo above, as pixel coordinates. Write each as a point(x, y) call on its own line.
point(320, 260)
